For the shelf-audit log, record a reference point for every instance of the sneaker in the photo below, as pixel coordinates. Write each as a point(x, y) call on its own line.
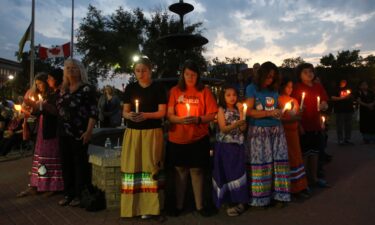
point(146, 217)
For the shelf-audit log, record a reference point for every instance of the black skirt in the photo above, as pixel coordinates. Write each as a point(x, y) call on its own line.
point(193, 155)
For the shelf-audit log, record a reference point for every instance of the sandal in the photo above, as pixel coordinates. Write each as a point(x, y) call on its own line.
point(75, 202)
point(29, 191)
point(236, 210)
point(65, 201)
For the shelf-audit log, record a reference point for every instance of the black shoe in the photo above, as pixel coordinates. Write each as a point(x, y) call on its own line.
point(204, 212)
point(175, 212)
point(347, 142)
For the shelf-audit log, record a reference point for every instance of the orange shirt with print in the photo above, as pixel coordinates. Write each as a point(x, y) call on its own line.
point(201, 103)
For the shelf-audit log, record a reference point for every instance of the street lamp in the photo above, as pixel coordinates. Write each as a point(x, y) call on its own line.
point(11, 77)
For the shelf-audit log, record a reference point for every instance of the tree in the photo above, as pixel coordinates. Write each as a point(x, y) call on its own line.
point(292, 62)
point(345, 58)
point(328, 60)
point(227, 69)
point(369, 61)
point(105, 41)
point(348, 58)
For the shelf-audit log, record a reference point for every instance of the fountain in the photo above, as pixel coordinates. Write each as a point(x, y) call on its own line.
point(182, 40)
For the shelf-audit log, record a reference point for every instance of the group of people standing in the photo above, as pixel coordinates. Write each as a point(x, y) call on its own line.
point(66, 108)
point(263, 152)
point(266, 151)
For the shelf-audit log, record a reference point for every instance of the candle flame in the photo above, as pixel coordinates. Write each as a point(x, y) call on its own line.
point(18, 107)
point(32, 98)
point(303, 94)
point(348, 91)
point(40, 97)
point(323, 119)
point(288, 106)
point(188, 106)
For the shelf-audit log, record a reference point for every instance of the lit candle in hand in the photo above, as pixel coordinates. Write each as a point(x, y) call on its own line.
point(18, 107)
point(40, 102)
point(288, 106)
point(318, 103)
point(136, 106)
point(244, 111)
point(188, 109)
point(323, 122)
point(302, 100)
point(348, 92)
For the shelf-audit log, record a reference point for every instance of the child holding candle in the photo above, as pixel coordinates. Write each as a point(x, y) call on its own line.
point(188, 144)
point(290, 120)
point(229, 156)
point(267, 148)
point(311, 136)
point(142, 192)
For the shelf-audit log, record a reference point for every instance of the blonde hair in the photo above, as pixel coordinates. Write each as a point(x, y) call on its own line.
point(82, 72)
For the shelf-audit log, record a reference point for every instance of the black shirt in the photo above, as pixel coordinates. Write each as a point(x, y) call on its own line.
point(343, 106)
point(149, 99)
point(75, 109)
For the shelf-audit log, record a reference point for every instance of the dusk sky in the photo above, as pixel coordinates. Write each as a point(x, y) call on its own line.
point(259, 30)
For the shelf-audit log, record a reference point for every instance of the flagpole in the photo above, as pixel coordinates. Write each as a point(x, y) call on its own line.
point(32, 50)
point(72, 33)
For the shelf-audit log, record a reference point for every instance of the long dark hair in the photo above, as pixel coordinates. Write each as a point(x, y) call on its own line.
point(262, 74)
point(191, 65)
point(301, 67)
point(284, 82)
point(222, 102)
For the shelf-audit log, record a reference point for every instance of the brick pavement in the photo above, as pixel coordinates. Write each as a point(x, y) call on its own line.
point(350, 200)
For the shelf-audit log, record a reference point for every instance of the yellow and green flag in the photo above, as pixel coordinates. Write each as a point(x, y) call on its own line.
point(25, 37)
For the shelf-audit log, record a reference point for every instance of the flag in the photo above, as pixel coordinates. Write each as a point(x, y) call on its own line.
point(56, 52)
point(25, 37)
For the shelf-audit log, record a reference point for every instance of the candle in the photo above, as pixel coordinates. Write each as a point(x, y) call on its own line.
point(17, 107)
point(348, 92)
point(323, 121)
point(318, 102)
point(32, 98)
point(302, 100)
point(288, 106)
point(244, 111)
point(40, 97)
point(188, 109)
point(41, 102)
point(136, 106)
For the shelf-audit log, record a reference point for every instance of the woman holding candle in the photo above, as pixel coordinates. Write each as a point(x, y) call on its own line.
point(343, 108)
point(46, 171)
point(290, 119)
point(142, 157)
point(267, 148)
point(312, 141)
point(229, 156)
point(189, 135)
point(77, 110)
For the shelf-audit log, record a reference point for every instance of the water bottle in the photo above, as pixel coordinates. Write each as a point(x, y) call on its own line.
point(107, 147)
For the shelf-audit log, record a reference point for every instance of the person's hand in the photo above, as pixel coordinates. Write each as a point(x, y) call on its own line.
point(86, 137)
point(276, 113)
point(139, 117)
point(240, 123)
point(29, 102)
point(133, 116)
point(190, 120)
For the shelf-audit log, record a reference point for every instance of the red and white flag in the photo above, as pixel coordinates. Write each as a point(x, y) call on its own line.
point(58, 51)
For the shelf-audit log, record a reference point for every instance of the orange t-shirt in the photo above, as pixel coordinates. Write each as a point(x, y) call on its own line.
point(201, 103)
point(283, 99)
